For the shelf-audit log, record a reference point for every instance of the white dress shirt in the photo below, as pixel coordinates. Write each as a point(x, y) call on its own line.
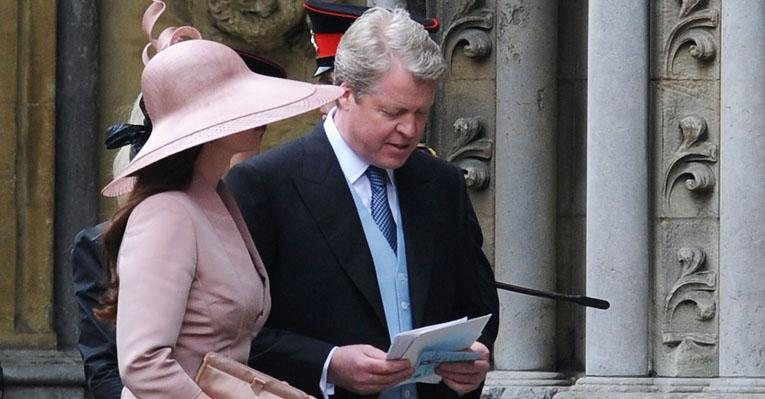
point(353, 167)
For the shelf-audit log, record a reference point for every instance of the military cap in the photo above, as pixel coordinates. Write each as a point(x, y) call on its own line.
point(329, 21)
point(261, 65)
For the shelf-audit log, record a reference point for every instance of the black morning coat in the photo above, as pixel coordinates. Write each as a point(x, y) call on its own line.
point(299, 209)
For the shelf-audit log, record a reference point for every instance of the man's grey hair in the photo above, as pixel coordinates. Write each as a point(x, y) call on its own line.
point(379, 36)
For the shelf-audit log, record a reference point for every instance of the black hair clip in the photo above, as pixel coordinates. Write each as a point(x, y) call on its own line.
point(122, 134)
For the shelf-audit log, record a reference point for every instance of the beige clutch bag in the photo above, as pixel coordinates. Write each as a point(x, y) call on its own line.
point(224, 378)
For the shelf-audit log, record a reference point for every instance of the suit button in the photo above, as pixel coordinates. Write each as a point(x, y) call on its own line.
point(405, 305)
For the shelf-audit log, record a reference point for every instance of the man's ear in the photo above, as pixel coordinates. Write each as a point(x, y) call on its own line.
point(345, 99)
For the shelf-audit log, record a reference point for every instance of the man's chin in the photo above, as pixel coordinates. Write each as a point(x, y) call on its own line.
point(392, 163)
point(395, 157)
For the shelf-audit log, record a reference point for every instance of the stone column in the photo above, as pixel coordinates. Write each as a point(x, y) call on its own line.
point(617, 188)
point(525, 180)
point(77, 185)
point(742, 189)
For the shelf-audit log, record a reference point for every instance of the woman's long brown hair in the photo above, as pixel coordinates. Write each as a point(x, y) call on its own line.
point(172, 173)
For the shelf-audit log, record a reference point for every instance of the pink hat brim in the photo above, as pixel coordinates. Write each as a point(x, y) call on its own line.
point(243, 101)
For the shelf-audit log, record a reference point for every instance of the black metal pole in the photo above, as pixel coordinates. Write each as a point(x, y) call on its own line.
point(578, 299)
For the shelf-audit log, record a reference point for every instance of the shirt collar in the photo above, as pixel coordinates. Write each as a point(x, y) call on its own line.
point(352, 165)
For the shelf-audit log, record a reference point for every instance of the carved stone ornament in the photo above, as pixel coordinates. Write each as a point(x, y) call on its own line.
point(694, 29)
point(471, 33)
point(691, 159)
point(689, 333)
point(693, 286)
point(261, 23)
point(471, 153)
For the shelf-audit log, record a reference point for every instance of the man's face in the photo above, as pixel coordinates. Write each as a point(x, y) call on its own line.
point(384, 126)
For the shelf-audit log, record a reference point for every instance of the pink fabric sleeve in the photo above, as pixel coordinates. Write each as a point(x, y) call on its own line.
point(156, 266)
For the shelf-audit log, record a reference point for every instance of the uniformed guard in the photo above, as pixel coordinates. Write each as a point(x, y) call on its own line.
point(328, 23)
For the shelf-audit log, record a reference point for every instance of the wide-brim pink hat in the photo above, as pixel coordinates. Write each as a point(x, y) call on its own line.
point(197, 91)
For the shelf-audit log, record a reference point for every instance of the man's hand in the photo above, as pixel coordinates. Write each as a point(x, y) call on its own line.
point(464, 377)
point(362, 369)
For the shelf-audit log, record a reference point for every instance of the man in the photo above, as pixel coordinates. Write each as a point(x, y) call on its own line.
point(329, 21)
point(362, 236)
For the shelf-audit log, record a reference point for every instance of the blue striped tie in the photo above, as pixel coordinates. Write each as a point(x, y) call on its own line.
point(379, 204)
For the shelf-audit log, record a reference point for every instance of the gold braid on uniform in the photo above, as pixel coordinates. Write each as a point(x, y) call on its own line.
point(424, 147)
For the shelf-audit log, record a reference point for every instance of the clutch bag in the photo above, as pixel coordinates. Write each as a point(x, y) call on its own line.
point(223, 378)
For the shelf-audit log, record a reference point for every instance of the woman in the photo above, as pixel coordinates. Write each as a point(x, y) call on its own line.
point(95, 340)
point(184, 277)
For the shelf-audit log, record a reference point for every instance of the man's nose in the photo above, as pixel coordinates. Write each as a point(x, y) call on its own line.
point(407, 125)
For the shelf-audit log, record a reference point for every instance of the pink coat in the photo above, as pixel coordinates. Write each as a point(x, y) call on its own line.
point(191, 282)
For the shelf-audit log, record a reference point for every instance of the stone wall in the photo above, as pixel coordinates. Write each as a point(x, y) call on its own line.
point(610, 150)
point(659, 199)
point(27, 73)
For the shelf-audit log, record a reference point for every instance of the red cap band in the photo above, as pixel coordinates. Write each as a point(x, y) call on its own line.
point(326, 44)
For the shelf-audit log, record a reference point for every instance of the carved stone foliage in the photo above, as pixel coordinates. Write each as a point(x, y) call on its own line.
point(692, 159)
point(469, 31)
point(262, 24)
point(471, 152)
point(692, 30)
point(688, 330)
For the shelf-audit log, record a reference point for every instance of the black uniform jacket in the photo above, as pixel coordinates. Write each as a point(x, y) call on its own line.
point(96, 340)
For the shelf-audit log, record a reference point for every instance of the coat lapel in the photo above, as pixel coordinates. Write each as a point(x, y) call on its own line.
point(236, 215)
point(221, 210)
point(418, 214)
point(325, 192)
